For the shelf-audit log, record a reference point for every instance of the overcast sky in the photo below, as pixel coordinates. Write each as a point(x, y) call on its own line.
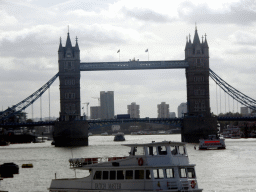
point(30, 32)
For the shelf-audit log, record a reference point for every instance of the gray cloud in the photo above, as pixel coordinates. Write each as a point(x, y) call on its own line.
point(147, 15)
point(242, 13)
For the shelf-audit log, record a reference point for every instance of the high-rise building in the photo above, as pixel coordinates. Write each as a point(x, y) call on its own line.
point(163, 110)
point(133, 110)
point(172, 114)
point(107, 104)
point(245, 111)
point(182, 108)
point(95, 112)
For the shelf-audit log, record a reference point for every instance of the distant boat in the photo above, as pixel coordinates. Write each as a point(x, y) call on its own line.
point(212, 142)
point(119, 137)
point(104, 134)
point(232, 132)
point(89, 134)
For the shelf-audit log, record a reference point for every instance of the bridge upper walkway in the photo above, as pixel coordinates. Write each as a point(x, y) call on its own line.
point(133, 65)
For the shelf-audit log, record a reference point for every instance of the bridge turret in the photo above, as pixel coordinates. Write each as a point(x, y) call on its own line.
point(205, 47)
point(61, 50)
point(77, 50)
point(69, 75)
point(198, 122)
point(197, 55)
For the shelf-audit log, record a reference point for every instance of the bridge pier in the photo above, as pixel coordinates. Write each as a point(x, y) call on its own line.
point(195, 128)
point(70, 133)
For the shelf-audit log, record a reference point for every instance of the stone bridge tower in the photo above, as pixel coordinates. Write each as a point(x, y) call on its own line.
point(68, 131)
point(69, 76)
point(198, 122)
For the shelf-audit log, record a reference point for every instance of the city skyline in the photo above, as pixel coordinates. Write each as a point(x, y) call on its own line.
point(31, 30)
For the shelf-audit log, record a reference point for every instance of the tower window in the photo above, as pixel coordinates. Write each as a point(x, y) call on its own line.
point(69, 65)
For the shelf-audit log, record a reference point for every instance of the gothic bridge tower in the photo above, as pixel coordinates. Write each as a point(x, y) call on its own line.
point(68, 131)
point(69, 76)
point(198, 122)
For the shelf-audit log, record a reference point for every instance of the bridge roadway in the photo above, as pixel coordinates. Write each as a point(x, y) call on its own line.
point(111, 121)
point(133, 65)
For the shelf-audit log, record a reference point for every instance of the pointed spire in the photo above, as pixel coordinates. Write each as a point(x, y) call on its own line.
point(205, 42)
point(77, 47)
point(186, 43)
point(196, 38)
point(68, 42)
point(189, 39)
point(60, 46)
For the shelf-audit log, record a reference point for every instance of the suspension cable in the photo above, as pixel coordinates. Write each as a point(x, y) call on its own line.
point(217, 100)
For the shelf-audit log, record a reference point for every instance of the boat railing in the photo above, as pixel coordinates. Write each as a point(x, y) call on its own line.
point(79, 162)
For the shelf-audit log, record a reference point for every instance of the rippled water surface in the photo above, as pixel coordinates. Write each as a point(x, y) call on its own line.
point(230, 170)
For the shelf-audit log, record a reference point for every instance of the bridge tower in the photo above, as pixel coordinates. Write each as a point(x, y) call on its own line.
point(68, 131)
point(198, 122)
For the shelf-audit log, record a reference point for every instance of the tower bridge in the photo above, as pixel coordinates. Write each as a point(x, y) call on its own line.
point(196, 64)
point(198, 122)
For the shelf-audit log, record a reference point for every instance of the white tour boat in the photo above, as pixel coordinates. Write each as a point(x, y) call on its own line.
point(156, 166)
point(212, 143)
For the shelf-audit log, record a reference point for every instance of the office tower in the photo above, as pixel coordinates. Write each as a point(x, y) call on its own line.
point(107, 104)
point(182, 108)
point(133, 110)
point(163, 110)
point(172, 114)
point(245, 111)
point(95, 112)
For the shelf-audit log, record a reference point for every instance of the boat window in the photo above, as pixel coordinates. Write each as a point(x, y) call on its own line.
point(162, 150)
point(97, 175)
point(170, 173)
point(182, 150)
point(139, 174)
point(120, 175)
point(174, 150)
point(183, 173)
point(139, 151)
point(158, 173)
point(191, 173)
point(148, 175)
point(112, 175)
point(150, 150)
point(105, 175)
point(129, 174)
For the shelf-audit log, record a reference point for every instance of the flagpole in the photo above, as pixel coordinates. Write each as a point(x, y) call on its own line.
point(118, 51)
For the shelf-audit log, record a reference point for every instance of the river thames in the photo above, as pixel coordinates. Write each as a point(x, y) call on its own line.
point(230, 170)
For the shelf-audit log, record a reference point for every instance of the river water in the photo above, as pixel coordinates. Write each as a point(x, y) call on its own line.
point(230, 170)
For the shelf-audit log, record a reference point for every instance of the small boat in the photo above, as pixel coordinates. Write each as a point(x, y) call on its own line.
point(119, 137)
point(212, 142)
point(29, 165)
point(7, 170)
point(104, 134)
point(156, 166)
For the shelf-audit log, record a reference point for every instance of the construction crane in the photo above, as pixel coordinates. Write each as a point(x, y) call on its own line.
point(98, 100)
point(87, 108)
